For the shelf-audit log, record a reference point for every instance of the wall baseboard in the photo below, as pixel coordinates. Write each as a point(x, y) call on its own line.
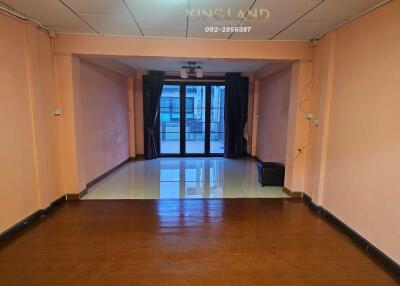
point(53, 205)
point(19, 226)
point(75, 197)
point(258, 160)
point(109, 172)
point(292, 194)
point(78, 196)
point(363, 243)
point(138, 157)
point(44, 212)
point(308, 201)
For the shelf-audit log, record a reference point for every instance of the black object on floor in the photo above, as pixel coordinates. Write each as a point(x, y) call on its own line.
point(271, 174)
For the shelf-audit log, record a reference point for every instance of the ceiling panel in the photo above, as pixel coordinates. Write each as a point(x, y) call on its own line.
point(326, 16)
point(72, 30)
point(48, 12)
point(250, 36)
point(160, 15)
point(282, 13)
point(305, 30)
point(113, 24)
point(165, 33)
point(97, 6)
point(168, 18)
point(340, 10)
point(197, 24)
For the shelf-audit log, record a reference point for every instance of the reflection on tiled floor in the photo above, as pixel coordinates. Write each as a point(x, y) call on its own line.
point(192, 147)
point(174, 178)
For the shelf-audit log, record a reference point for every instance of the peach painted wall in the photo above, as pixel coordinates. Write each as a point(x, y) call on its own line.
point(70, 129)
point(298, 126)
point(131, 113)
point(254, 114)
point(30, 175)
point(273, 112)
point(250, 108)
point(138, 101)
point(44, 98)
point(361, 148)
point(129, 73)
point(320, 107)
point(105, 119)
point(91, 143)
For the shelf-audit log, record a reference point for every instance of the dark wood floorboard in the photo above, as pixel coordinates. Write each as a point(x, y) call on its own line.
point(186, 242)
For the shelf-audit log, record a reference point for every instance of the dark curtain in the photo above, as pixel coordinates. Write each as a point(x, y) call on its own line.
point(152, 88)
point(236, 93)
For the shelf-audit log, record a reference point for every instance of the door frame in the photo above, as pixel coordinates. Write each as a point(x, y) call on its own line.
point(182, 90)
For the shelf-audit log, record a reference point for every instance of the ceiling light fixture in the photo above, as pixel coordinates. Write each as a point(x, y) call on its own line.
point(191, 69)
point(184, 73)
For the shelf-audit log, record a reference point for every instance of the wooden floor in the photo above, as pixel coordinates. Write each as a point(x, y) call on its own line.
point(186, 242)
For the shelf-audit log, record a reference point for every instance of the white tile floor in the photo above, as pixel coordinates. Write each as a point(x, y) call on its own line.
point(193, 147)
point(179, 178)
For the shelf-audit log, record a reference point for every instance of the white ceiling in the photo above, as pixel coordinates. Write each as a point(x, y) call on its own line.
point(289, 19)
point(208, 65)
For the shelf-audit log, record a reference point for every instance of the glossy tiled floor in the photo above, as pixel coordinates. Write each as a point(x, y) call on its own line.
point(192, 147)
point(174, 178)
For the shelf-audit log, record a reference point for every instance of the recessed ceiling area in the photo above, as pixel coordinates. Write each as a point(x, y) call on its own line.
point(208, 65)
point(282, 19)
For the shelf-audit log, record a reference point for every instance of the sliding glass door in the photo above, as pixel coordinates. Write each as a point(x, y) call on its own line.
point(192, 119)
point(217, 124)
point(195, 123)
point(170, 120)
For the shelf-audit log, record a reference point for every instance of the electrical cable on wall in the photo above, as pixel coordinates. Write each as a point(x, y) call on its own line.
point(8, 9)
point(56, 100)
point(301, 101)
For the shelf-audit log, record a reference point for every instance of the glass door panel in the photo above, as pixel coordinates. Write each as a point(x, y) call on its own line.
point(170, 135)
point(192, 119)
point(195, 123)
point(217, 128)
